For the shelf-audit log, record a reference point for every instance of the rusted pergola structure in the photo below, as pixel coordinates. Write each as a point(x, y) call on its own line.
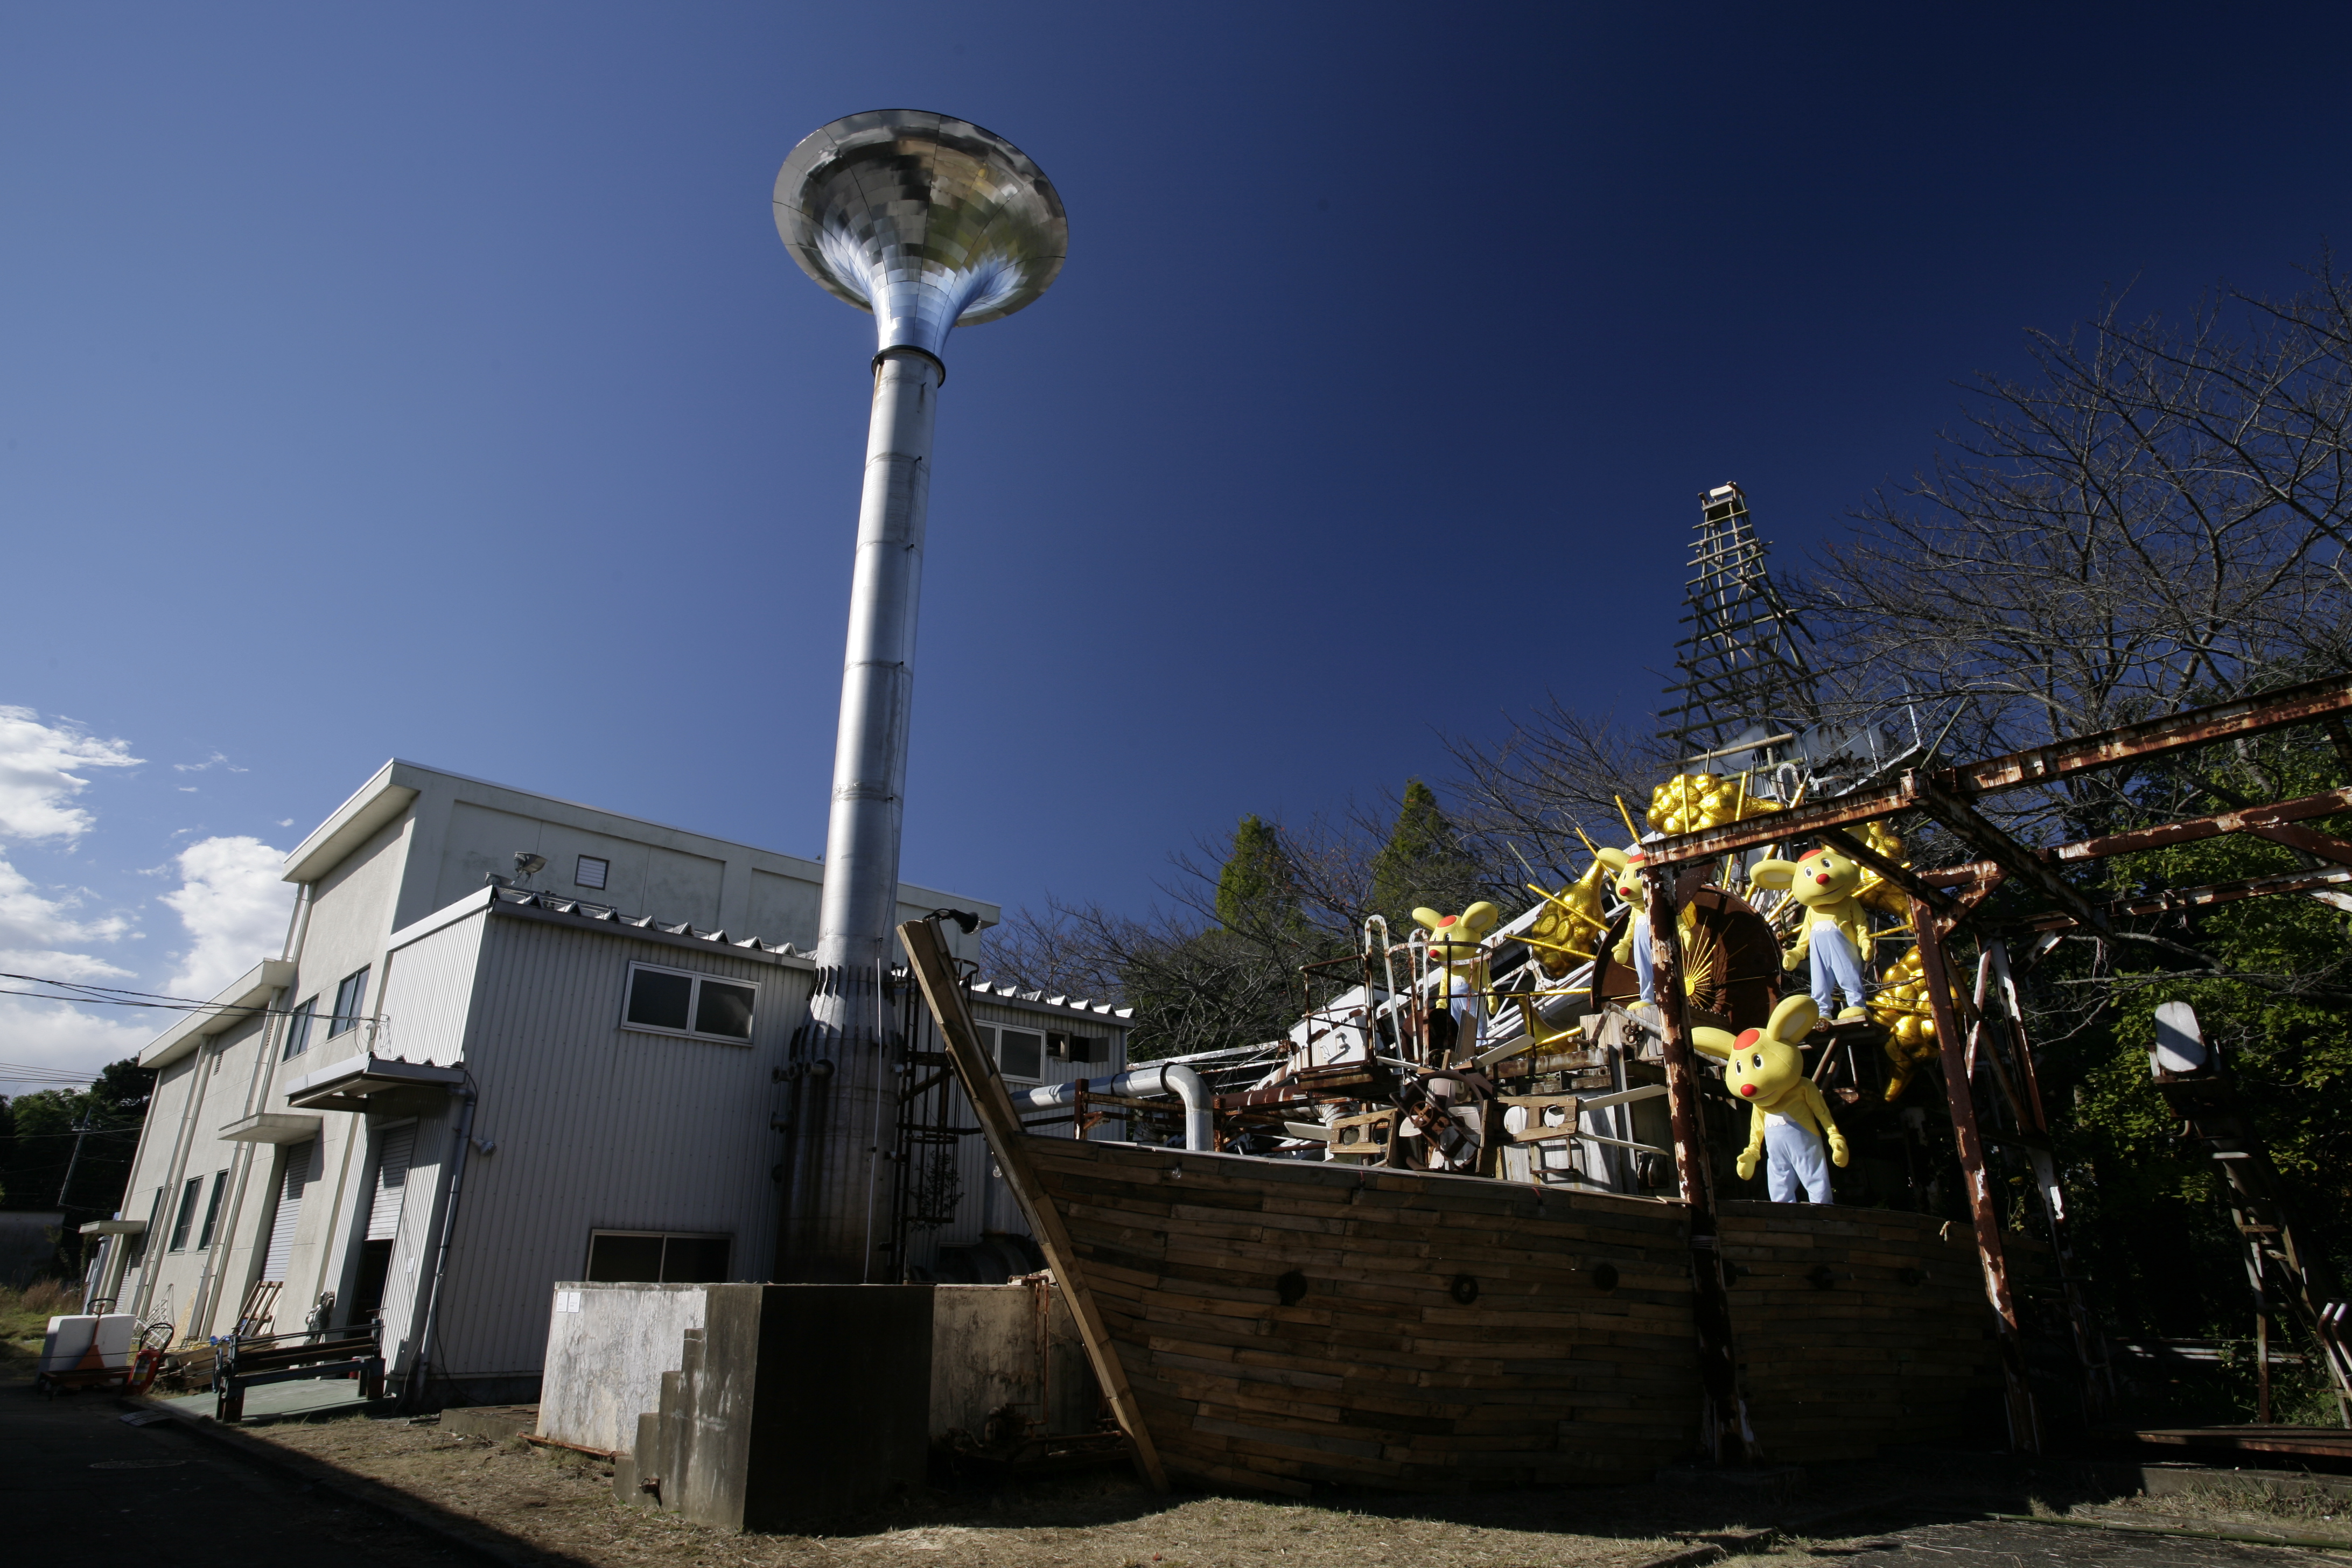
point(1983, 1031)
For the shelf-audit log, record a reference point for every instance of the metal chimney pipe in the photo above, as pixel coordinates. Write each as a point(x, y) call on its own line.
point(928, 222)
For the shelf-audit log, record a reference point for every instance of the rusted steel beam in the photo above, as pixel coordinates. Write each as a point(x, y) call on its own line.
point(1804, 822)
point(1723, 1414)
point(1959, 1093)
point(2212, 893)
point(1996, 1009)
point(1974, 829)
point(2250, 819)
point(1894, 871)
point(2314, 701)
point(2310, 840)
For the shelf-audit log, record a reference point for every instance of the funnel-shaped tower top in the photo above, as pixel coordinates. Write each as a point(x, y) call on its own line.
point(925, 220)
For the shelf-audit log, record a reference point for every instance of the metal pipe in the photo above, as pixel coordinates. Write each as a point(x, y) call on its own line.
point(1141, 1083)
point(413, 1389)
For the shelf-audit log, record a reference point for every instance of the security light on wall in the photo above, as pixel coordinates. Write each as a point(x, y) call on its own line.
point(528, 865)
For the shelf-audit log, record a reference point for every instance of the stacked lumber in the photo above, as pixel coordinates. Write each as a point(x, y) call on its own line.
point(1857, 1328)
point(1288, 1323)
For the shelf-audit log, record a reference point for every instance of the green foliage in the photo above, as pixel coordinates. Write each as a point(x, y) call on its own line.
point(2270, 979)
point(43, 1128)
point(1422, 864)
point(1257, 891)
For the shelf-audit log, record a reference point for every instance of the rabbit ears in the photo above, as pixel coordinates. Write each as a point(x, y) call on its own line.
point(1791, 1021)
point(1468, 926)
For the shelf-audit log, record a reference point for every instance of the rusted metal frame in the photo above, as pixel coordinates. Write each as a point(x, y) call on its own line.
point(2245, 819)
point(1959, 1093)
point(2310, 840)
point(1894, 871)
point(1996, 1002)
point(2315, 700)
point(1974, 829)
point(1802, 822)
point(992, 1107)
point(1724, 1432)
point(2206, 896)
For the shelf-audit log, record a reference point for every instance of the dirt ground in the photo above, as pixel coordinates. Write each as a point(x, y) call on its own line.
point(560, 1506)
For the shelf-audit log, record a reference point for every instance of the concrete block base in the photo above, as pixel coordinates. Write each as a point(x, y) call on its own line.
point(792, 1406)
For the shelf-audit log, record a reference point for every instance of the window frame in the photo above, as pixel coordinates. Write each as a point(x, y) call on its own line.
point(213, 1212)
point(995, 1033)
point(693, 1009)
point(603, 875)
point(588, 1260)
point(297, 1027)
point(354, 985)
point(184, 1216)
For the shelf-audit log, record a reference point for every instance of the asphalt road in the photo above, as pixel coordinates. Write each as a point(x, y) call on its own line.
point(79, 1487)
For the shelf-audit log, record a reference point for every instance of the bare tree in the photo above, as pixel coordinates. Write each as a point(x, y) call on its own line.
point(2157, 520)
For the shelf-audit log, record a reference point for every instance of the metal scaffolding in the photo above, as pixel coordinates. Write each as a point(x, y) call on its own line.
point(1744, 676)
point(1988, 1062)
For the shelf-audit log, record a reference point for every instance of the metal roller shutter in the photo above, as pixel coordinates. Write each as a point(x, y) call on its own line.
point(390, 1183)
point(291, 1186)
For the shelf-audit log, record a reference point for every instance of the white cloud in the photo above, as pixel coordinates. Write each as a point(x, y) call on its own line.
point(36, 929)
point(37, 790)
point(51, 1035)
point(234, 905)
point(216, 761)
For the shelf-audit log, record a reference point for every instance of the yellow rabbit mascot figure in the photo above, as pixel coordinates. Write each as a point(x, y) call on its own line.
point(1766, 1067)
point(1835, 930)
point(1456, 945)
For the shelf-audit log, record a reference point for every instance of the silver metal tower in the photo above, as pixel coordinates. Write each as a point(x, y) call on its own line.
point(928, 222)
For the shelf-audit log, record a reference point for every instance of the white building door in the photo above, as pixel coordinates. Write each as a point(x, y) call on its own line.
point(390, 1183)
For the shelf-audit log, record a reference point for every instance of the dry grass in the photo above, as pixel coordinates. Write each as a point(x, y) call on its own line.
point(562, 1503)
point(24, 1317)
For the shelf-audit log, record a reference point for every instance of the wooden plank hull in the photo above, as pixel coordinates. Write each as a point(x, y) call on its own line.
point(1284, 1324)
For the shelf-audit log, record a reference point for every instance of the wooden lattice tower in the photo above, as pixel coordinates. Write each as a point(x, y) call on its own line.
point(1743, 663)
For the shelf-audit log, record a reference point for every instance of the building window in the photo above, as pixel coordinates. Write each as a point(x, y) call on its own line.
point(1065, 1047)
point(298, 1028)
point(1018, 1053)
point(188, 1214)
point(679, 1002)
point(655, 1258)
point(212, 1211)
point(592, 873)
point(349, 997)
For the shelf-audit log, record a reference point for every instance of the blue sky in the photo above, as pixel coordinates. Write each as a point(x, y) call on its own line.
point(430, 381)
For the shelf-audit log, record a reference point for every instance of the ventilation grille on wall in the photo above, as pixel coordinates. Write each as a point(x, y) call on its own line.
point(591, 872)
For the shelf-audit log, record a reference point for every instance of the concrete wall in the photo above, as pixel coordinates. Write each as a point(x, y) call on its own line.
point(608, 1346)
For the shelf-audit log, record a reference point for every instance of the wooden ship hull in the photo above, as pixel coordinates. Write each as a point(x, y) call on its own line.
point(1282, 1324)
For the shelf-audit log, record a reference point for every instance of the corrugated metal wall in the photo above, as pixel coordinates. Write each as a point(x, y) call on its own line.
point(427, 992)
point(599, 1127)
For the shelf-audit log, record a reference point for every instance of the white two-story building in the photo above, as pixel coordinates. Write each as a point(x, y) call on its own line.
point(508, 1041)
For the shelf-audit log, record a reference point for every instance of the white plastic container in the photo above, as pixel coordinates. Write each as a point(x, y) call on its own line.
point(70, 1342)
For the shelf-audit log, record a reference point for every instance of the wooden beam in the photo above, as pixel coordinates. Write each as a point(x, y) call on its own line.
point(935, 973)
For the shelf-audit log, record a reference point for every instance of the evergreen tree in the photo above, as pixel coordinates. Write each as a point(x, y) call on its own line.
point(1255, 892)
point(1422, 864)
